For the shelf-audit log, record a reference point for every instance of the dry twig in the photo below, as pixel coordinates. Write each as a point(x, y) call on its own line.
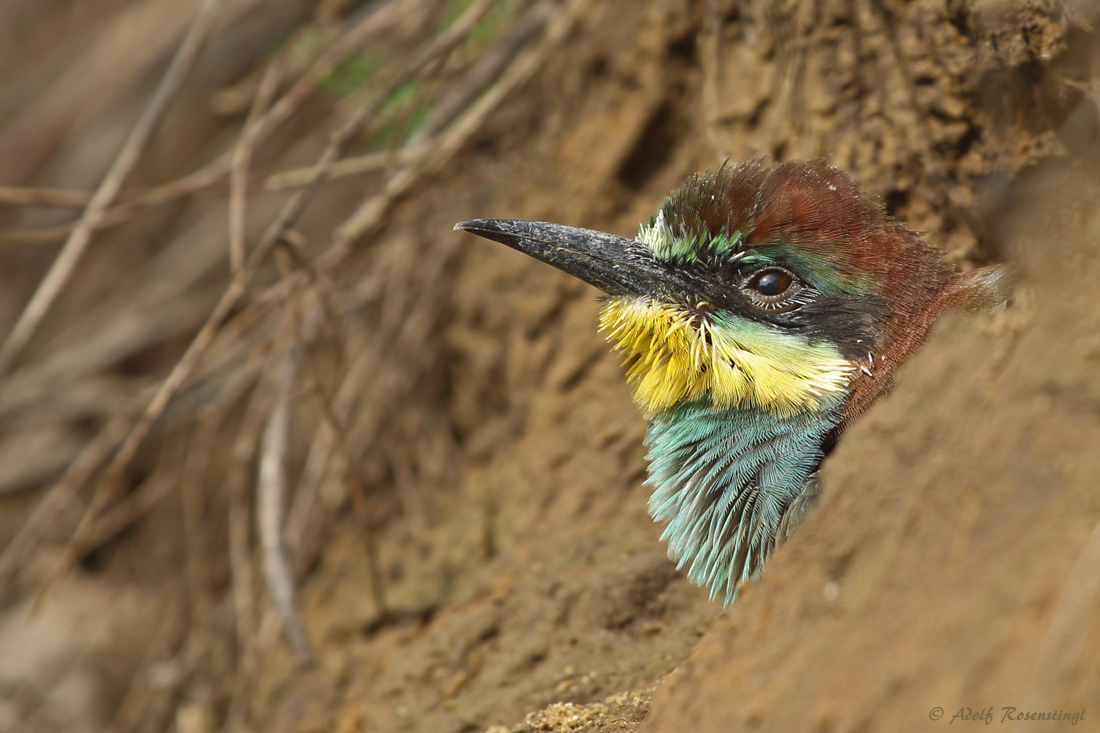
point(360, 500)
point(240, 562)
point(202, 179)
point(242, 157)
point(212, 173)
point(271, 499)
point(372, 212)
point(63, 267)
point(352, 166)
point(62, 494)
point(240, 281)
point(21, 196)
point(222, 360)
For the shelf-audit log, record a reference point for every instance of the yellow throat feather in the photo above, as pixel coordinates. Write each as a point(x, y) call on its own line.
point(677, 357)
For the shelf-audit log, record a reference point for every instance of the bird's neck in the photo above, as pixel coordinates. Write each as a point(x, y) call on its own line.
point(730, 481)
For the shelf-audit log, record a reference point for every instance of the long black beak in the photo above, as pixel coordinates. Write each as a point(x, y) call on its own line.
point(615, 265)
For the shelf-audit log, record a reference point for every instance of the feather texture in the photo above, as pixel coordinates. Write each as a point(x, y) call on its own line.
point(676, 356)
point(731, 482)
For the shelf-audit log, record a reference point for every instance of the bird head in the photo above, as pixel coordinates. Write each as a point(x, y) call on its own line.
point(759, 312)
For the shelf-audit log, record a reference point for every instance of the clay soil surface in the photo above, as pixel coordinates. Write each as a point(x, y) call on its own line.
point(472, 551)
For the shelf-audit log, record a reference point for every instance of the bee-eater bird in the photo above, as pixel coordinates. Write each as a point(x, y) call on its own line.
point(759, 313)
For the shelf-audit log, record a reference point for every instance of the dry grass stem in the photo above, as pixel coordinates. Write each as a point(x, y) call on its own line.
point(360, 499)
point(372, 212)
point(270, 503)
point(173, 635)
point(130, 509)
point(200, 180)
point(353, 166)
point(54, 282)
point(192, 483)
point(19, 196)
point(483, 72)
point(61, 495)
point(212, 356)
point(376, 22)
point(240, 556)
point(239, 283)
point(242, 157)
point(211, 174)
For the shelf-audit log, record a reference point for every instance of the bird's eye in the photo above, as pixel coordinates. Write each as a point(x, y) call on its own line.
point(772, 289)
point(771, 282)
